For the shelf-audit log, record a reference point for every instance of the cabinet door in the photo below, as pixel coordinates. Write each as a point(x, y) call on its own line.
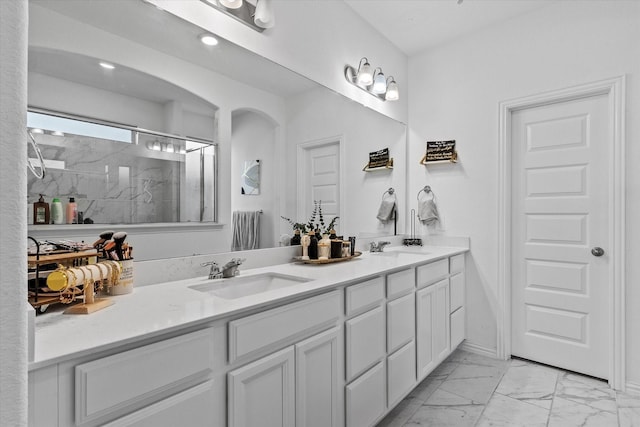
point(317, 372)
point(366, 398)
point(262, 393)
point(401, 320)
point(366, 343)
point(401, 373)
point(432, 337)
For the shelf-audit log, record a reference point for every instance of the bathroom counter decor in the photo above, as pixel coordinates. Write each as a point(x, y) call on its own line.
point(328, 261)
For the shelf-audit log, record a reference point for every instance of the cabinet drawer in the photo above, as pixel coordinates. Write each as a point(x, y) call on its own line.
point(364, 296)
point(401, 372)
point(456, 263)
point(456, 293)
point(190, 408)
point(366, 342)
point(282, 325)
point(457, 327)
point(401, 322)
point(138, 377)
point(366, 397)
point(401, 283)
point(432, 272)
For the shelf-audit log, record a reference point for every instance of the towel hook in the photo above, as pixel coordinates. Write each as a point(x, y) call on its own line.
point(391, 192)
point(31, 140)
point(427, 190)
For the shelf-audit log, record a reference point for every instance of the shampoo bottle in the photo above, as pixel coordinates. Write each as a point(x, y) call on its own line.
point(72, 211)
point(313, 245)
point(41, 211)
point(56, 211)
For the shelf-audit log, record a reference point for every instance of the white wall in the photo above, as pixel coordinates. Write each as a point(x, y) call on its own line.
point(455, 91)
point(313, 38)
point(13, 224)
point(254, 138)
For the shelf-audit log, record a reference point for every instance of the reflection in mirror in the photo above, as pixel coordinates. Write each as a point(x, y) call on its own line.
point(251, 107)
point(251, 178)
point(121, 175)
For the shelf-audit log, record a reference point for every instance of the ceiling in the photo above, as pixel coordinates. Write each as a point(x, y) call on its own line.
point(416, 25)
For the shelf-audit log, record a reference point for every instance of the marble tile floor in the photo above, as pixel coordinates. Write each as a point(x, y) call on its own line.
point(469, 390)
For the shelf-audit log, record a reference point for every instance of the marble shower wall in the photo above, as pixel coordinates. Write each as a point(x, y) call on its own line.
point(112, 182)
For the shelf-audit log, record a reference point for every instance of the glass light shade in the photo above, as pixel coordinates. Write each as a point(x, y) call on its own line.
point(365, 75)
point(231, 4)
point(392, 92)
point(379, 84)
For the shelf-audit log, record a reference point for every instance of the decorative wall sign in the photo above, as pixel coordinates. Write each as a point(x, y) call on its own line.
point(251, 177)
point(438, 151)
point(378, 160)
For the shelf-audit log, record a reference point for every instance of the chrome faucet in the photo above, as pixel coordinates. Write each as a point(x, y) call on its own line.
point(377, 246)
point(215, 272)
point(230, 269)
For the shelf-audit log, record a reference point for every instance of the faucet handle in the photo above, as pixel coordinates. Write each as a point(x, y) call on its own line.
point(204, 264)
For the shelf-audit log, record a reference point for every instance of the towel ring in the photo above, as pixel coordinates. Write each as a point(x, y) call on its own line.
point(31, 140)
point(390, 191)
point(426, 190)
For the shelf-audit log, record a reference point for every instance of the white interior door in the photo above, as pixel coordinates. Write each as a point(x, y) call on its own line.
point(320, 176)
point(560, 214)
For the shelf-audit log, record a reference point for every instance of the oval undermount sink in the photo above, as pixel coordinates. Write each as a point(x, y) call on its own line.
point(398, 254)
point(239, 287)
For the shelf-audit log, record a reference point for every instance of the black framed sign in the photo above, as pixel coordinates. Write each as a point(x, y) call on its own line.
point(379, 159)
point(438, 151)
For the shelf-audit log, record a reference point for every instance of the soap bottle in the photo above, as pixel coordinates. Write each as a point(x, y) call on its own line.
point(41, 211)
point(72, 211)
point(324, 247)
point(56, 211)
point(296, 240)
point(313, 245)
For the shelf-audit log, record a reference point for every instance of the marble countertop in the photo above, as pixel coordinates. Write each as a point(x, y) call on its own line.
point(157, 309)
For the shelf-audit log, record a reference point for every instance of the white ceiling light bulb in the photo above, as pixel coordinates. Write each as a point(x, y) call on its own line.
point(379, 82)
point(107, 65)
point(208, 39)
point(263, 17)
point(231, 4)
point(365, 75)
point(392, 90)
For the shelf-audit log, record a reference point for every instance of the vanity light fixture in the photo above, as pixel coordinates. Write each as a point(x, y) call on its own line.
point(231, 4)
point(379, 82)
point(372, 82)
point(208, 39)
point(107, 65)
point(392, 93)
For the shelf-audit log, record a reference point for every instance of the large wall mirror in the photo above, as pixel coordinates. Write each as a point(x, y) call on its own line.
point(165, 80)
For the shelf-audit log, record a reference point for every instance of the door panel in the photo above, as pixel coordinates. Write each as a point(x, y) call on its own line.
point(322, 170)
point(559, 212)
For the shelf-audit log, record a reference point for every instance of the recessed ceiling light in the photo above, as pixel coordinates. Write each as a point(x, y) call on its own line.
point(36, 130)
point(107, 65)
point(57, 133)
point(208, 39)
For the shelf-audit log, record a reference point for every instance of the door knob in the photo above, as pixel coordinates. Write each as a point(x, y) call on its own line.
point(597, 251)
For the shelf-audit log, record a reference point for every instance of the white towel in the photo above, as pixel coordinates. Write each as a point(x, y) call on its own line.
point(428, 211)
point(387, 209)
point(246, 230)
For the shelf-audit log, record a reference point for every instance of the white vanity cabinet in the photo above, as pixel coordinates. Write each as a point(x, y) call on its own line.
point(401, 332)
point(293, 386)
point(457, 300)
point(158, 384)
point(432, 312)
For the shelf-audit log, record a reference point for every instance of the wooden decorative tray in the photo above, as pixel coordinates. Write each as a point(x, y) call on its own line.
point(328, 261)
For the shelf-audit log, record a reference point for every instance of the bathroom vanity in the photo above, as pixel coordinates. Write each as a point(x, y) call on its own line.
point(339, 346)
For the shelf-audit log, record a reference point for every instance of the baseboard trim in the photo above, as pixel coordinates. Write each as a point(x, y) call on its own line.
point(478, 349)
point(633, 388)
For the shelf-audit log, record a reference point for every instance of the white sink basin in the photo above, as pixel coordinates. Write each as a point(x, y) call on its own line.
point(239, 287)
point(399, 254)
